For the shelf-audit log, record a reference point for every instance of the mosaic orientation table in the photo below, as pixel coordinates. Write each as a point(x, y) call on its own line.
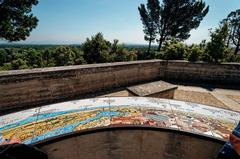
point(38, 124)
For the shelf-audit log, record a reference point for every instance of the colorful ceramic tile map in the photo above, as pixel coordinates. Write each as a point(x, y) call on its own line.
point(49, 121)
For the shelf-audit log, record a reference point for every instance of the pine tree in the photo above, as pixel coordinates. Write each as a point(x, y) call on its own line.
point(179, 17)
point(16, 20)
point(233, 20)
point(149, 17)
point(171, 19)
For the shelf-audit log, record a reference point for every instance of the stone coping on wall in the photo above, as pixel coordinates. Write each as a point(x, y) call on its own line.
point(76, 67)
point(41, 123)
point(72, 68)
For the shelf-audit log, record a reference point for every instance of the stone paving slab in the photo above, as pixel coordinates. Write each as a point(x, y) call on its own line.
point(148, 89)
point(230, 103)
point(219, 94)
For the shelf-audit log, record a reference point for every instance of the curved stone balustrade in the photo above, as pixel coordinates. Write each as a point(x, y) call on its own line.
point(38, 124)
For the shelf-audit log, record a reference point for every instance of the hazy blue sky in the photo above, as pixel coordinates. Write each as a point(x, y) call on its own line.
point(71, 21)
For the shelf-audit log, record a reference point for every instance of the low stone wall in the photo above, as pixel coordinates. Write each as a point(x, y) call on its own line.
point(201, 72)
point(32, 87)
point(27, 88)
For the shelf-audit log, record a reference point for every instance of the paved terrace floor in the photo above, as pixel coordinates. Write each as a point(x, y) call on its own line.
point(210, 95)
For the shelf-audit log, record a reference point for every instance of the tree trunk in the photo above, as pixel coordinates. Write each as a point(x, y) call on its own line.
point(228, 41)
point(237, 48)
point(149, 46)
point(160, 44)
point(162, 38)
point(229, 37)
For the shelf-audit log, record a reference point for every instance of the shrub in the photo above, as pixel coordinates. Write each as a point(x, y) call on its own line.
point(19, 64)
point(230, 57)
point(96, 49)
point(174, 50)
point(6, 66)
point(193, 53)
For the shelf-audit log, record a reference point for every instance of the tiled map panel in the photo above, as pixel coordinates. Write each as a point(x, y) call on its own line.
point(18, 127)
point(41, 123)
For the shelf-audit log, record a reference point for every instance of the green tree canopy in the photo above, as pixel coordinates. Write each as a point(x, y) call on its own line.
point(174, 50)
point(96, 48)
point(171, 19)
point(216, 47)
point(16, 19)
point(179, 17)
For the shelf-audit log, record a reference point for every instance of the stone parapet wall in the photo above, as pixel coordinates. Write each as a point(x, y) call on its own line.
point(25, 88)
point(32, 87)
point(202, 72)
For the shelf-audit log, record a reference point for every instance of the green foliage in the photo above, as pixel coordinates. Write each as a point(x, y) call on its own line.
point(48, 58)
point(229, 56)
point(6, 66)
point(150, 17)
point(96, 49)
point(19, 64)
point(171, 19)
point(64, 56)
point(232, 58)
point(15, 58)
point(79, 59)
point(16, 20)
point(34, 58)
point(216, 47)
point(105, 51)
point(121, 54)
point(233, 20)
point(142, 54)
point(194, 53)
point(99, 50)
point(174, 50)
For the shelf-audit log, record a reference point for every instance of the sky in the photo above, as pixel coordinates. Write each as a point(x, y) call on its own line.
point(72, 21)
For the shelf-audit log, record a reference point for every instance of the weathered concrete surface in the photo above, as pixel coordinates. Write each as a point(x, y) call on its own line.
point(201, 72)
point(158, 89)
point(219, 95)
point(132, 144)
point(40, 86)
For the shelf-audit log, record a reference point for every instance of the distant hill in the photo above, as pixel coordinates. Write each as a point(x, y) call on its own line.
point(37, 46)
point(41, 46)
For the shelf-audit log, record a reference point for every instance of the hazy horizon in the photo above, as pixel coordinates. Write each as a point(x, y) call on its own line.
point(71, 22)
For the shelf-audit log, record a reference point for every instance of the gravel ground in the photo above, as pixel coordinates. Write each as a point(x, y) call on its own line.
point(198, 97)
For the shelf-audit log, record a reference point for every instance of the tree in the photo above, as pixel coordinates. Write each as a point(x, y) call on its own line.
point(16, 20)
point(233, 20)
point(149, 19)
point(48, 58)
point(34, 58)
point(3, 56)
point(194, 52)
point(64, 56)
point(78, 56)
point(179, 17)
point(216, 47)
point(19, 64)
point(174, 50)
point(96, 49)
